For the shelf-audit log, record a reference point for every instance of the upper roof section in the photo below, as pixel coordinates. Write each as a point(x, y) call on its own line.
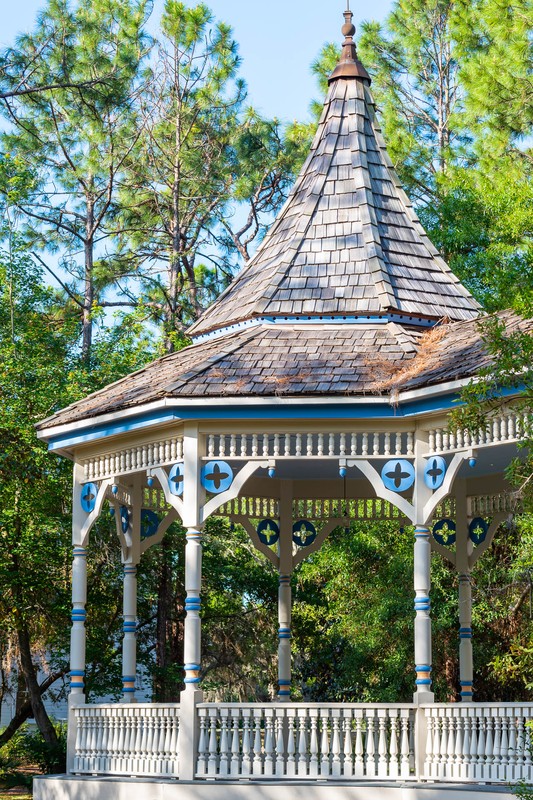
point(347, 243)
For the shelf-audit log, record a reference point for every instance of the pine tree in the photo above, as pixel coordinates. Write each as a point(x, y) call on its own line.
point(76, 140)
point(179, 175)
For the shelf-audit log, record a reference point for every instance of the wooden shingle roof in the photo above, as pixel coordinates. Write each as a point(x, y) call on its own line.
point(347, 242)
point(301, 361)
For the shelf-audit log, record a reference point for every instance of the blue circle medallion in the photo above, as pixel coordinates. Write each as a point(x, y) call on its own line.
point(477, 530)
point(268, 531)
point(175, 479)
point(398, 475)
point(444, 532)
point(149, 523)
point(217, 476)
point(435, 472)
point(89, 492)
point(303, 533)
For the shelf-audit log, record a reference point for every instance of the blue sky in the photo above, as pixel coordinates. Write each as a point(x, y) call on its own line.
point(278, 40)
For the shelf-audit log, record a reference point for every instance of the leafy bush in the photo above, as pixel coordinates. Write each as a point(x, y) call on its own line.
point(27, 749)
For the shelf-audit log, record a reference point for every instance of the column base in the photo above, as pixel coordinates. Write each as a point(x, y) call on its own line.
point(189, 730)
point(422, 696)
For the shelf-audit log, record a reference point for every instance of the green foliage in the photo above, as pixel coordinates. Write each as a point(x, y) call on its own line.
point(27, 750)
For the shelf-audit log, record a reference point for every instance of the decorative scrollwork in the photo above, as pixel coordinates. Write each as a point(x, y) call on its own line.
point(398, 475)
point(217, 477)
point(89, 492)
point(444, 532)
point(268, 531)
point(303, 533)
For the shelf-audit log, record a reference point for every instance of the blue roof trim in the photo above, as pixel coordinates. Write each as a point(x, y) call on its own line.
point(383, 410)
point(332, 410)
point(316, 319)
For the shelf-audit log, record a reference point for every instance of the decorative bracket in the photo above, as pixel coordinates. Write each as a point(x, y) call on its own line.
point(258, 544)
point(317, 544)
point(375, 481)
point(497, 520)
point(172, 499)
point(163, 527)
point(94, 514)
point(438, 496)
point(234, 490)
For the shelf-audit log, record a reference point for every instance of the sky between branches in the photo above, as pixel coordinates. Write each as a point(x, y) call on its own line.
point(278, 40)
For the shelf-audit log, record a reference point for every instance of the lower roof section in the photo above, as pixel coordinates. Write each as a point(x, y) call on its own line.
point(374, 365)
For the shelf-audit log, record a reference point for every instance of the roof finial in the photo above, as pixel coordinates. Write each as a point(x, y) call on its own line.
point(349, 65)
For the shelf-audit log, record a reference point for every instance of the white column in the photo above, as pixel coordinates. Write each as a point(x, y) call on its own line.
point(192, 638)
point(193, 499)
point(78, 634)
point(466, 660)
point(422, 584)
point(463, 550)
point(129, 642)
point(284, 637)
point(284, 591)
point(422, 576)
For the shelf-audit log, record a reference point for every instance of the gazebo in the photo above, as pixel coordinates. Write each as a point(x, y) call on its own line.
point(336, 353)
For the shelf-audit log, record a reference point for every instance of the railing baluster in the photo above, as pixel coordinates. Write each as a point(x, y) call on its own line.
point(280, 743)
point(257, 765)
point(393, 746)
point(382, 743)
point(325, 762)
point(235, 763)
point(404, 743)
point(336, 763)
point(212, 762)
point(223, 768)
point(313, 744)
point(302, 757)
point(291, 743)
point(246, 744)
point(348, 765)
point(269, 742)
point(359, 763)
point(370, 748)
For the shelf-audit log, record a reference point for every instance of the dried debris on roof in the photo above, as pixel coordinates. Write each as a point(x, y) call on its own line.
point(391, 376)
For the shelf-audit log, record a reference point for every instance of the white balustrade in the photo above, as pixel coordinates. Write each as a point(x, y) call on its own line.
point(127, 739)
point(311, 445)
point(509, 426)
point(317, 508)
point(134, 459)
point(466, 742)
point(487, 505)
point(295, 740)
point(479, 742)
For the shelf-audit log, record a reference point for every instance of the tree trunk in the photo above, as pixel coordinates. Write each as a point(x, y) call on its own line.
point(88, 286)
point(37, 706)
point(25, 710)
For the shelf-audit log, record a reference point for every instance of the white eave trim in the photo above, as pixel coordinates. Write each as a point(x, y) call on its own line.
point(256, 402)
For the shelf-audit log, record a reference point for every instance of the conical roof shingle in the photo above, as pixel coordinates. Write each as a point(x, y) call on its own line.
point(347, 242)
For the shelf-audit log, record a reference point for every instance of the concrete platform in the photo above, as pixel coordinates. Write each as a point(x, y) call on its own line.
point(63, 787)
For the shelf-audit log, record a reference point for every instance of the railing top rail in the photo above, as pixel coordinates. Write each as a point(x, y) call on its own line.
point(307, 705)
point(114, 706)
point(479, 706)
